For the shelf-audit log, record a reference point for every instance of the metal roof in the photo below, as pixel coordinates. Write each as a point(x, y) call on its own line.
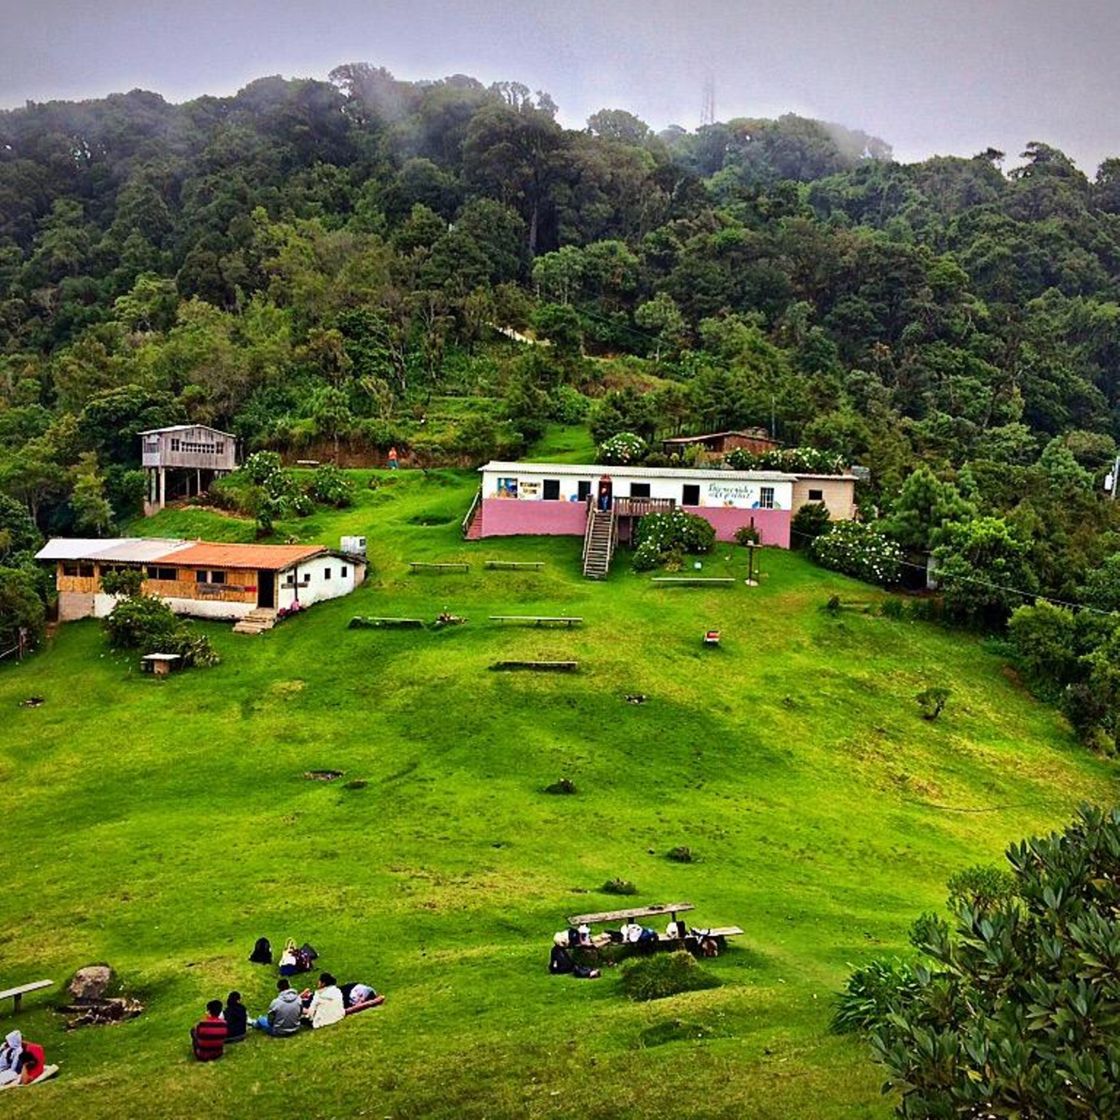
point(277, 557)
point(758, 433)
point(185, 428)
point(585, 470)
point(137, 550)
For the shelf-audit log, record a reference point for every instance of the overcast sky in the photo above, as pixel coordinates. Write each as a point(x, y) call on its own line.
point(928, 76)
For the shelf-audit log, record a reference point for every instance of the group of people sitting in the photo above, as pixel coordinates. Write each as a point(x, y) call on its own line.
point(289, 1012)
point(561, 962)
point(22, 1062)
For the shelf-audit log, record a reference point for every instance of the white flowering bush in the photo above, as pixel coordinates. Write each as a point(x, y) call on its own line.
point(797, 460)
point(858, 550)
point(663, 535)
point(626, 447)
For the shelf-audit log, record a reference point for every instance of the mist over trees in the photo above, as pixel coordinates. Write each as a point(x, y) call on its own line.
point(339, 266)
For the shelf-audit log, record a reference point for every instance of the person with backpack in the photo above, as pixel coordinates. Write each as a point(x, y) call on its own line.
point(208, 1037)
point(284, 1012)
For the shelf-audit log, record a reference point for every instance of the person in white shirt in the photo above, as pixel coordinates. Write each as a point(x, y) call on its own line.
point(326, 1005)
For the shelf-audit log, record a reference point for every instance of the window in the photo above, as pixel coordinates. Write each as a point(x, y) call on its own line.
point(690, 494)
point(766, 497)
point(639, 489)
point(344, 571)
point(217, 577)
point(163, 573)
point(289, 580)
point(174, 444)
point(306, 577)
point(71, 569)
point(201, 576)
point(220, 448)
point(552, 489)
point(583, 490)
point(816, 495)
point(326, 573)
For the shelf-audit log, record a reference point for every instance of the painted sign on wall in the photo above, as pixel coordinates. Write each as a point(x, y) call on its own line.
point(738, 494)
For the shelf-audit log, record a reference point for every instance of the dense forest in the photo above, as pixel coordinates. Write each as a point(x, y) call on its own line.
point(333, 267)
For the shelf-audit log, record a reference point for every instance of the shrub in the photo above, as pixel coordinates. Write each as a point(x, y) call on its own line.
point(871, 993)
point(932, 701)
point(661, 534)
point(261, 466)
point(796, 460)
point(21, 608)
point(564, 786)
point(808, 523)
point(981, 887)
point(149, 625)
point(747, 534)
point(681, 854)
point(122, 581)
point(663, 975)
point(893, 609)
point(858, 550)
point(331, 487)
point(618, 886)
point(626, 447)
point(567, 405)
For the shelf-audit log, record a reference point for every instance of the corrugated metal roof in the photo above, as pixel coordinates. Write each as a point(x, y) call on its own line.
point(584, 470)
point(274, 557)
point(136, 550)
point(185, 428)
point(759, 433)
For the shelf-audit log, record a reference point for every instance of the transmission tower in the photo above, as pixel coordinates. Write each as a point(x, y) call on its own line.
point(708, 111)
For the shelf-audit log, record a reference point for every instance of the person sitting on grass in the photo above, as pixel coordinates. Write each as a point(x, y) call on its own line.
point(355, 994)
point(236, 1017)
point(289, 962)
point(209, 1036)
point(284, 1012)
point(326, 1006)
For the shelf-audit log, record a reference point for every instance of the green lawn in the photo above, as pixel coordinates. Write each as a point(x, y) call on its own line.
point(163, 826)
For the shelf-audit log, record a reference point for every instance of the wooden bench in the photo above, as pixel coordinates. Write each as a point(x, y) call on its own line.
point(16, 994)
point(514, 565)
point(670, 908)
point(424, 566)
point(359, 622)
point(160, 663)
point(538, 666)
point(695, 581)
point(539, 619)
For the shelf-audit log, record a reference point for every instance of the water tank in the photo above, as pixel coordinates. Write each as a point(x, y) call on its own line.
point(354, 546)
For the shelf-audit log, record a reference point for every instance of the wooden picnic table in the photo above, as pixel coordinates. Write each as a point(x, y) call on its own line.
point(539, 619)
point(695, 581)
point(514, 565)
point(16, 994)
point(670, 908)
point(425, 566)
point(159, 663)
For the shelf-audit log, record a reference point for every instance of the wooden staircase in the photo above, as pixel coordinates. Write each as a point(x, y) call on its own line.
point(599, 541)
point(472, 523)
point(256, 621)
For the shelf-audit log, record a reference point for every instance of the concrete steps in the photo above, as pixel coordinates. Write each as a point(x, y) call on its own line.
point(256, 621)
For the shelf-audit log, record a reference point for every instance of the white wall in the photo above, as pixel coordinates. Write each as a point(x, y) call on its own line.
point(722, 492)
point(314, 586)
point(198, 608)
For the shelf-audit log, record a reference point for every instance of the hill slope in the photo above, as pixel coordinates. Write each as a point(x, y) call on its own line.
point(163, 826)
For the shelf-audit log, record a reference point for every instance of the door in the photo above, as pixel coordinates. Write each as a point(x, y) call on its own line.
point(606, 491)
point(266, 589)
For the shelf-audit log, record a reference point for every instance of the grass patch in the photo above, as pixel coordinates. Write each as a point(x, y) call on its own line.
point(663, 975)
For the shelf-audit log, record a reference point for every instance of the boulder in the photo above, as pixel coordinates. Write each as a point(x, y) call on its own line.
point(90, 984)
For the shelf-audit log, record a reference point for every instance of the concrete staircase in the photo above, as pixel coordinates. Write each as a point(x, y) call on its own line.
point(598, 548)
point(256, 621)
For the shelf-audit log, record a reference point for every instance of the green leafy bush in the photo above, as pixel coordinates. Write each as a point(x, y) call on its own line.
point(122, 581)
point(871, 993)
point(682, 853)
point(663, 975)
point(331, 487)
point(932, 701)
point(858, 550)
point(747, 534)
point(618, 886)
point(661, 534)
point(981, 887)
point(626, 447)
point(796, 460)
point(149, 625)
point(21, 608)
point(892, 608)
point(808, 523)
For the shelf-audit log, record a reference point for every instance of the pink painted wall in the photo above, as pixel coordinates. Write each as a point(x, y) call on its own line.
point(772, 524)
point(509, 517)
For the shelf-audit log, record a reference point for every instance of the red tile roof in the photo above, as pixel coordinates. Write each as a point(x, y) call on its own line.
point(269, 557)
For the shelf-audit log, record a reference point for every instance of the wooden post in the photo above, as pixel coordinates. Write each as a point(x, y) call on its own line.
point(162, 487)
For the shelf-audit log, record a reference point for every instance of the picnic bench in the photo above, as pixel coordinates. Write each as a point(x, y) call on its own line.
point(514, 565)
point(359, 622)
point(16, 994)
point(670, 908)
point(425, 566)
point(695, 581)
point(691, 941)
point(538, 666)
point(159, 663)
point(539, 619)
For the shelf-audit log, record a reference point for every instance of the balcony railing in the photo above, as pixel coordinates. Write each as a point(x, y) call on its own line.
point(639, 507)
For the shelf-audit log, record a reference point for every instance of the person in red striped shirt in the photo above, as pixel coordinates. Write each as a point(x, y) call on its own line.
point(209, 1036)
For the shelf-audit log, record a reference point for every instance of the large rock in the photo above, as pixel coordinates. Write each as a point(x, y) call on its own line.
point(90, 984)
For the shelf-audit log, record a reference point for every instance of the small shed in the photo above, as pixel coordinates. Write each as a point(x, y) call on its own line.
point(713, 444)
point(183, 460)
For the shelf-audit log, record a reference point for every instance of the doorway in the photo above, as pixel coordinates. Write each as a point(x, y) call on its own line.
point(606, 492)
point(266, 589)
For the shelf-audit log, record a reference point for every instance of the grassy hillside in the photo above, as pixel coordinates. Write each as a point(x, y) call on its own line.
point(162, 826)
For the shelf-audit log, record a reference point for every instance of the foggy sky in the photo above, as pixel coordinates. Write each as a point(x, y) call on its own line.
point(928, 76)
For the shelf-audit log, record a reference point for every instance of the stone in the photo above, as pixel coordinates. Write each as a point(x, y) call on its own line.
point(90, 984)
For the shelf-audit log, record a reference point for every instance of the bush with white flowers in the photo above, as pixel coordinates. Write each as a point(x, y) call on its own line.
point(858, 550)
point(624, 448)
